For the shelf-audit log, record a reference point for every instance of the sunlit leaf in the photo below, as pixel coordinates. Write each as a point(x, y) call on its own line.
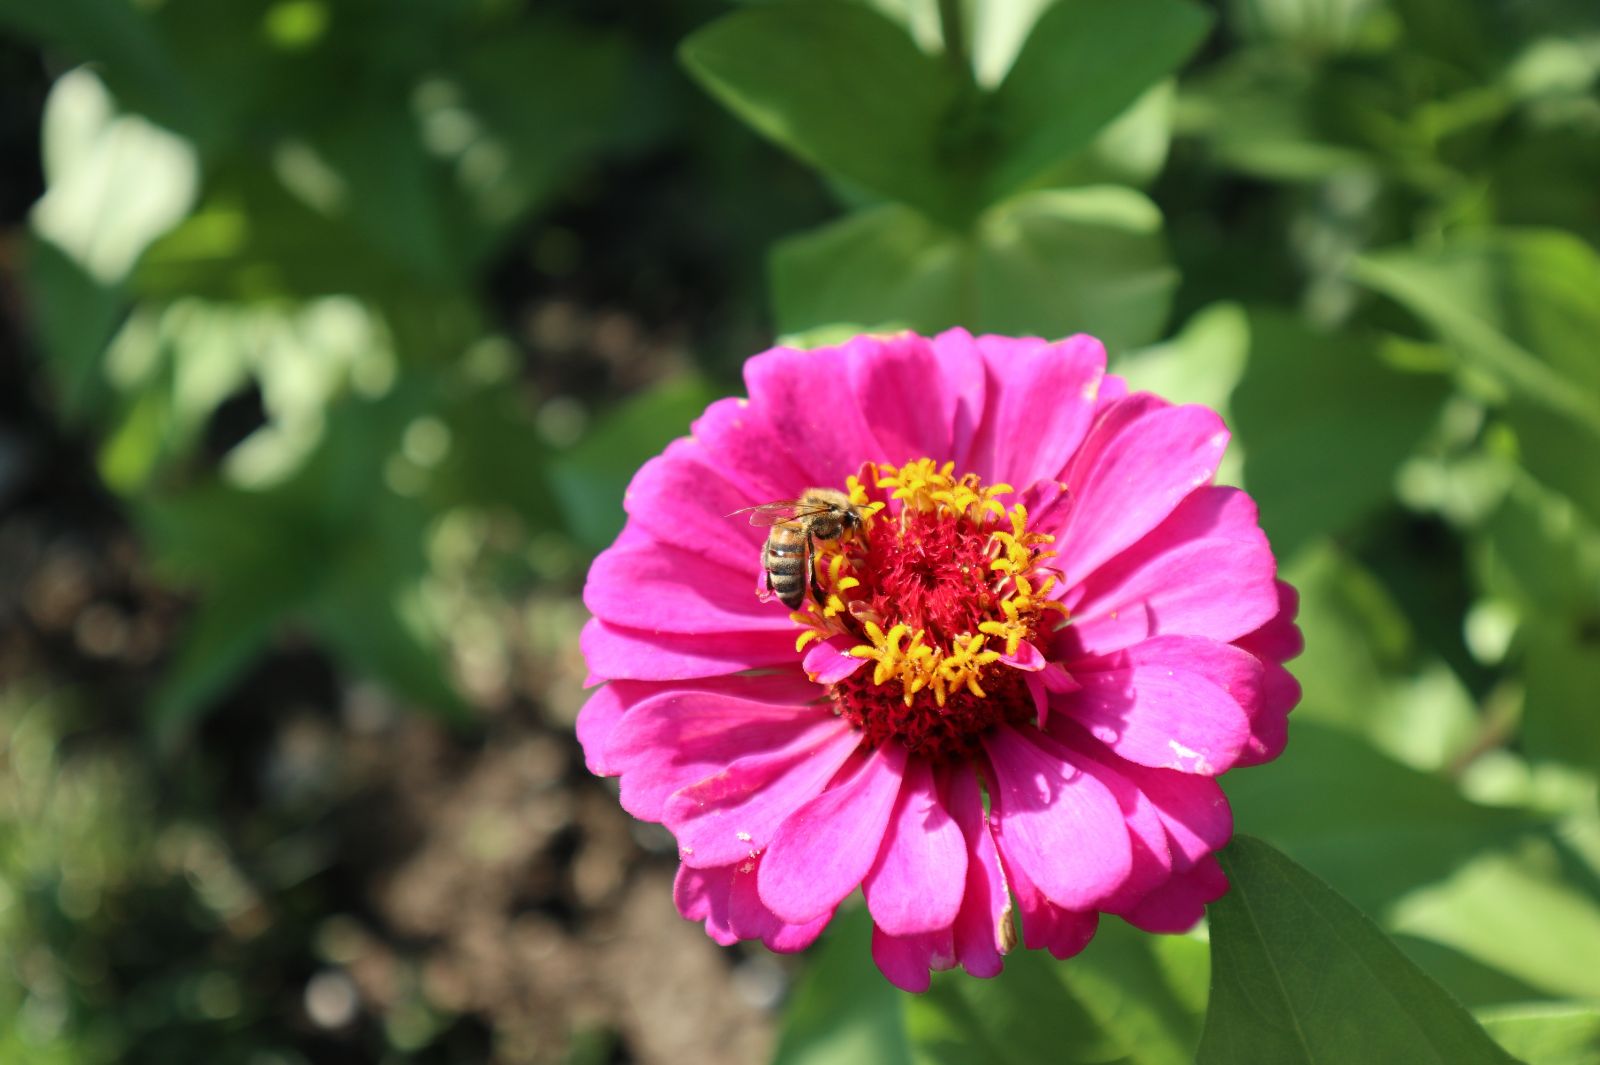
point(1391, 830)
point(1082, 64)
point(1301, 975)
point(1324, 25)
point(1473, 983)
point(1519, 911)
point(115, 182)
point(1557, 1034)
point(1129, 998)
point(839, 85)
point(1048, 263)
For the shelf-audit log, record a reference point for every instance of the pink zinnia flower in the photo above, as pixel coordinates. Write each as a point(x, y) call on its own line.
point(1048, 603)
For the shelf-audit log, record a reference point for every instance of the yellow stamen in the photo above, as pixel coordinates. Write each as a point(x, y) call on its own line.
point(908, 655)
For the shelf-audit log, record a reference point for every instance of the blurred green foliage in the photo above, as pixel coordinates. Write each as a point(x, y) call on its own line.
point(299, 273)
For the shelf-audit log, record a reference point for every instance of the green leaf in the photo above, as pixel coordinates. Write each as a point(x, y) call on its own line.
point(549, 95)
point(1049, 263)
point(1561, 667)
point(1363, 671)
point(1471, 981)
point(1308, 467)
point(1539, 550)
point(1131, 149)
point(1521, 307)
point(1130, 998)
point(883, 266)
point(1301, 975)
point(1149, 991)
point(1311, 25)
point(1396, 830)
point(1203, 363)
point(1024, 1015)
point(589, 480)
point(843, 1009)
point(1557, 1034)
point(393, 190)
point(121, 36)
point(1528, 911)
point(1258, 112)
point(1084, 63)
point(332, 548)
point(1088, 260)
point(842, 87)
point(74, 316)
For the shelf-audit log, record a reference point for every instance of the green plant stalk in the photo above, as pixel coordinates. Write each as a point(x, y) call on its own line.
point(952, 28)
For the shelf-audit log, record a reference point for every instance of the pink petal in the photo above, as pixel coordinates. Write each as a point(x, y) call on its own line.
point(1178, 904)
point(666, 589)
point(680, 736)
point(681, 498)
point(725, 900)
point(1039, 693)
point(1192, 808)
point(1279, 639)
point(1041, 400)
point(805, 397)
point(618, 653)
point(1028, 658)
point(905, 960)
point(824, 848)
point(1112, 416)
point(1055, 821)
point(1047, 503)
point(962, 365)
point(704, 895)
point(599, 716)
point(1274, 643)
point(888, 373)
point(1147, 832)
point(918, 879)
point(1205, 571)
point(1174, 702)
point(1141, 470)
point(1045, 925)
point(1269, 724)
point(825, 661)
point(1113, 390)
point(736, 812)
point(983, 931)
point(741, 444)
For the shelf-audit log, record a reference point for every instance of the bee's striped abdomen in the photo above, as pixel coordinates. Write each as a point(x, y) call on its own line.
point(783, 557)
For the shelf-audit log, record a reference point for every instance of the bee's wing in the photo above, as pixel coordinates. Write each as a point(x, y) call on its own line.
point(776, 513)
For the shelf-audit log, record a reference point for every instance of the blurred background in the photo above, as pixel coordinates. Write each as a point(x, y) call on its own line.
point(333, 330)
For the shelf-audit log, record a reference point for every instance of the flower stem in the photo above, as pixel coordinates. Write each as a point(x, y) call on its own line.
point(952, 27)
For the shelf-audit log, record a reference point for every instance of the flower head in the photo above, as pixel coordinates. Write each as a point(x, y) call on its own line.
point(1010, 684)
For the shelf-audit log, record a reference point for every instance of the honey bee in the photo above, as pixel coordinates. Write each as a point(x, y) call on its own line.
point(789, 555)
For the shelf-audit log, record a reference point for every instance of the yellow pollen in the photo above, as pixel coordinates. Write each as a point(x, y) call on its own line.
point(1020, 585)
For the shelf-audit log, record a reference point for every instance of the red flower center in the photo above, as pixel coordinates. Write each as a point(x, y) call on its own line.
point(940, 590)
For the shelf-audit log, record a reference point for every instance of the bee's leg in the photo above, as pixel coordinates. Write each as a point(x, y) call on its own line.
point(764, 591)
